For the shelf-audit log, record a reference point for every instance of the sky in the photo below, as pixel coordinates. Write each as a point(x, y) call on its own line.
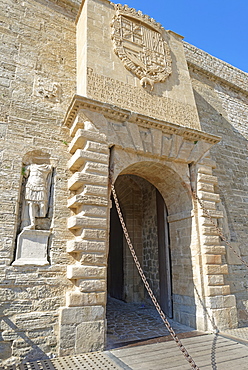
point(219, 27)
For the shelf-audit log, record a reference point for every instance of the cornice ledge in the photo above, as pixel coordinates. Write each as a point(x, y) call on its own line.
point(111, 111)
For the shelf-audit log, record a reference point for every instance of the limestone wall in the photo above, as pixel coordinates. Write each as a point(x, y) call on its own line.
point(37, 79)
point(221, 96)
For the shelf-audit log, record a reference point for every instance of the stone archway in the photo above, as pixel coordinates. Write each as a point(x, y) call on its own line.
point(108, 142)
point(172, 188)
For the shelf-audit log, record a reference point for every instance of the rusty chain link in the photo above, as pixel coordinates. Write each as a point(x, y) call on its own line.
point(219, 231)
point(153, 298)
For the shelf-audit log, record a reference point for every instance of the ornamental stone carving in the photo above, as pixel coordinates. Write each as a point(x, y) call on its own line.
point(139, 43)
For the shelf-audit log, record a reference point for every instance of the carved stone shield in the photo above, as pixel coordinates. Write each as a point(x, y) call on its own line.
point(139, 43)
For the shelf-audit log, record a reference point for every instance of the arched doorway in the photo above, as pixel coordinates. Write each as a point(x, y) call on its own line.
point(146, 218)
point(145, 214)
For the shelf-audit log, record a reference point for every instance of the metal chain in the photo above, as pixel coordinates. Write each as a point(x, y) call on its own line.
point(153, 298)
point(219, 231)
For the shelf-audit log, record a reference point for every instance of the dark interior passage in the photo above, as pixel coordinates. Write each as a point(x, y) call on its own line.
point(145, 216)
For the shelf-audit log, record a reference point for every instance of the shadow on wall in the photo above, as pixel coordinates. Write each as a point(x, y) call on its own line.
point(218, 115)
point(12, 336)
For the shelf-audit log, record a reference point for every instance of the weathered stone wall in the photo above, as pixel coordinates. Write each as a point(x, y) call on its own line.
point(37, 79)
point(150, 238)
point(130, 196)
point(222, 100)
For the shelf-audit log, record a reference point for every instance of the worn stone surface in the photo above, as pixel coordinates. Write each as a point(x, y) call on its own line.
point(38, 77)
point(221, 97)
point(116, 125)
point(32, 248)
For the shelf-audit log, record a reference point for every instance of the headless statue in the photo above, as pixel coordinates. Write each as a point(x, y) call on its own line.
point(37, 191)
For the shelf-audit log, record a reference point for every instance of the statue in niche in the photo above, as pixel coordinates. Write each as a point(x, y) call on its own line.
point(37, 191)
point(35, 211)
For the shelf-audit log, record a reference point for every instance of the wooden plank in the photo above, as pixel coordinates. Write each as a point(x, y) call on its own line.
point(160, 345)
point(228, 354)
point(164, 349)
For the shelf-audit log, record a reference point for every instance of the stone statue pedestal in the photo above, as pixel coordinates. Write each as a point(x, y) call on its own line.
point(32, 248)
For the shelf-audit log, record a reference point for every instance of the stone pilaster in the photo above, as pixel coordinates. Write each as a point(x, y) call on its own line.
point(83, 318)
point(219, 305)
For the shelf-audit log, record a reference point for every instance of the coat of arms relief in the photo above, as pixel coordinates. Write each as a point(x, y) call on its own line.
point(139, 43)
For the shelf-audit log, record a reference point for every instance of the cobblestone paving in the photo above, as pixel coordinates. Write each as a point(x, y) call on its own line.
point(130, 322)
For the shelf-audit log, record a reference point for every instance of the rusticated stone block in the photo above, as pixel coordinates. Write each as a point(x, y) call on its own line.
point(209, 230)
point(80, 157)
point(79, 179)
point(90, 336)
point(214, 249)
point(97, 147)
point(79, 199)
point(93, 259)
point(224, 269)
point(91, 285)
point(209, 196)
point(81, 138)
point(207, 170)
point(221, 301)
point(76, 315)
point(202, 186)
point(215, 269)
point(210, 239)
point(214, 279)
point(213, 291)
point(89, 210)
point(96, 168)
point(90, 234)
point(85, 272)
point(79, 245)
point(101, 191)
point(207, 178)
point(212, 259)
point(225, 318)
point(77, 299)
point(77, 222)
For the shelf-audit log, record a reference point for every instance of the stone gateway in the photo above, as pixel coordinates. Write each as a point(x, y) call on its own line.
point(95, 93)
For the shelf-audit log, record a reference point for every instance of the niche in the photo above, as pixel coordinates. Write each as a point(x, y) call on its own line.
point(35, 209)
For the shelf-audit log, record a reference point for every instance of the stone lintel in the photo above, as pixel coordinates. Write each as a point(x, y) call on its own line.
point(123, 115)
